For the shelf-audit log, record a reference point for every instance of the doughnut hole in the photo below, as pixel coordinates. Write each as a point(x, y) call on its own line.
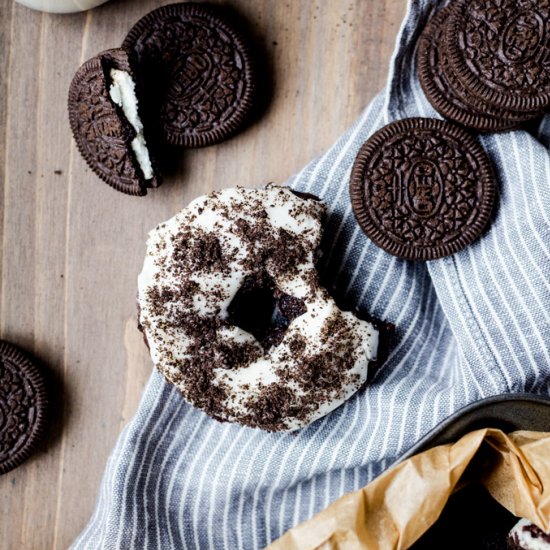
point(262, 310)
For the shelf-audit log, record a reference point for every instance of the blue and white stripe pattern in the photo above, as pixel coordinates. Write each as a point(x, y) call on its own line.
point(468, 326)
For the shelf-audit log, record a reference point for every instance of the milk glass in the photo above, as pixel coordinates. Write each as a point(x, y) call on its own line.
point(61, 6)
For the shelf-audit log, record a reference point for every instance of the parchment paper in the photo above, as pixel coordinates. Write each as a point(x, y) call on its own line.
point(394, 510)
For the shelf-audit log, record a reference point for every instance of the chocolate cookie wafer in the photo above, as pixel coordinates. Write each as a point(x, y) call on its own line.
point(198, 72)
point(445, 91)
point(422, 188)
point(500, 52)
point(23, 404)
point(106, 121)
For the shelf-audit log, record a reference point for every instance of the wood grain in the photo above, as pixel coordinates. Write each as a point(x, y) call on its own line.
point(71, 247)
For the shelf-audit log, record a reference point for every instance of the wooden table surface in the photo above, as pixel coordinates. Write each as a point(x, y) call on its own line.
point(71, 247)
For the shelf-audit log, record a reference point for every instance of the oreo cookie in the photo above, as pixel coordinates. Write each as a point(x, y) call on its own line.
point(500, 52)
point(23, 406)
point(198, 72)
point(446, 93)
point(422, 188)
point(105, 115)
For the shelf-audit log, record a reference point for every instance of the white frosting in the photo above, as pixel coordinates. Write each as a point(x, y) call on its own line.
point(123, 93)
point(217, 215)
point(525, 539)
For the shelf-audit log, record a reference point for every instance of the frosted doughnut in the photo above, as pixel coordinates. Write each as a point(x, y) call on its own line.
point(527, 536)
point(235, 317)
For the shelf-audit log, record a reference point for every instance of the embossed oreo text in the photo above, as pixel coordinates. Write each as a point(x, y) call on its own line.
point(506, 52)
point(422, 191)
point(522, 37)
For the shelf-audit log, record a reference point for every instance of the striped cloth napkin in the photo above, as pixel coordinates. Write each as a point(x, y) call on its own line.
point(469, 326)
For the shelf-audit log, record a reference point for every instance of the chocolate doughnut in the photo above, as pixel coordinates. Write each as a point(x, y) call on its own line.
point(234, 314)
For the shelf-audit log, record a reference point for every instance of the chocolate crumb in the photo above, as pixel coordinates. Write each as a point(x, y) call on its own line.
point(193, 252)
point(269, 410)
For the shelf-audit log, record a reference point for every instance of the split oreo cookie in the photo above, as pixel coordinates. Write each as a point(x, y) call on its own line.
point(446, 93)
point(422, 188)
point(198, 72)
point(23, 405)
point(106, 121)
point(500, 52)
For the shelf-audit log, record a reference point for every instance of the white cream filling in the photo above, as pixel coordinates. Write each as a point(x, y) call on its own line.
point(283, 210)
point(123, 93)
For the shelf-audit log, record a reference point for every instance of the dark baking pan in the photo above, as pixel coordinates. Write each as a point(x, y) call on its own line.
point(509, 412)
point(472, 520)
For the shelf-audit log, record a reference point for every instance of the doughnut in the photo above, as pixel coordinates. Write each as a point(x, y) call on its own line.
point(233, 312)
point(527, 536)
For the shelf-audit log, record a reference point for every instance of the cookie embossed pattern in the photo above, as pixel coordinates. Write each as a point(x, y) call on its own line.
point(23, 405)
point(422, 188)
point(198, 71)
point(445, 91)
point(500, 51)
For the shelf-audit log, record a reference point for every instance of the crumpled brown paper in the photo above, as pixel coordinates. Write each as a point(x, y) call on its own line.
point(394, 510)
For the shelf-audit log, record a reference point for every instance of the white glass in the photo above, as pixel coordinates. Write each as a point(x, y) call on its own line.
point(61, 6)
